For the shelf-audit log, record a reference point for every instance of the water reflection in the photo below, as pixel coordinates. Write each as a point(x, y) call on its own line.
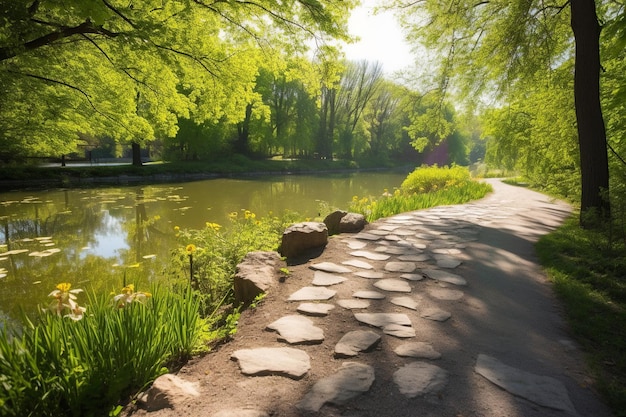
point(92, 237)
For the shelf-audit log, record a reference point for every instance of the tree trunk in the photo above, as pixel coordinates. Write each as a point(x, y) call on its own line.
point(242, 144)
point(594, 163)
point(136, 154)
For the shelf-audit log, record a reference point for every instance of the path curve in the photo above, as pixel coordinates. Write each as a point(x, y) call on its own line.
point(460, 321)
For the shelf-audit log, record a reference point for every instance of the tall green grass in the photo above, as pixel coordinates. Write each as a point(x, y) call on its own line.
point(423, 188)
point(55, 366)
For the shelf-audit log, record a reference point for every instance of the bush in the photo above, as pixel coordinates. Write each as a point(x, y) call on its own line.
point(423, 188)
point(83, 367)
point(208, 257)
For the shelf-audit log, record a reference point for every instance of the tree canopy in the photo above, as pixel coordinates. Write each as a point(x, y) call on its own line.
point(129, 70)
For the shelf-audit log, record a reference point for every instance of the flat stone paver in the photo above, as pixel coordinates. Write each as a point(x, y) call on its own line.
point(542, 390)
point(445, 276)
point(420, 350)
point(369, 295)
point(445, 261)
point(352, 304)
point(321, 278)
point(312, 294)
point(354, 342)
point(315, 309)
point(330, 267)
point(284, 361)
point(420, 257)
point(358, 264)
point(399, 331)
point(241, 412)
point(355, 244)
point(383, 319)
point(435, 314)
point(297, 329)
point(406, 267)
point(407, 302)
point(372, 256)
point(393, 285)
point(350, 380)
point(420, 378)
point(412, 277)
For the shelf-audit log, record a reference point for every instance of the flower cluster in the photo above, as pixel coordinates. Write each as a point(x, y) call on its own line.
point(65, 301)
point(129, 295)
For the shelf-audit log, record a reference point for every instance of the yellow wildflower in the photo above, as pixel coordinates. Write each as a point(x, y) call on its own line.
point(191, 248)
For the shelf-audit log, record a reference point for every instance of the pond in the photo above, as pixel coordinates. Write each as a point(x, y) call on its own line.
point(96, 238)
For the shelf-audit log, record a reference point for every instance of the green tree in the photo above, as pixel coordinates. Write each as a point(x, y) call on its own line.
point(131, 69)
point(501, 46)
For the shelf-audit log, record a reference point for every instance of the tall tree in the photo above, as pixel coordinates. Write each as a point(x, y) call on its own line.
point(77, 66)
point(500, 46)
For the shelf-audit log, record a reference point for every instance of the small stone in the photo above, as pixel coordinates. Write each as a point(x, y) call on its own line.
point(356, 341)
point(315, 309)
point(358, 264)
point(321, 278)
point(435, 314)
point(407, 302)
point(407, 267)
point(369, 295)
point(351, 304)
point(420, 350)
point(297, 329)
point(351, 380)
point(330, 267)
point(420, 378)
point(284, 361)
point(312, 294)
point(167, 390)
point(370, 255)
point(393, 285)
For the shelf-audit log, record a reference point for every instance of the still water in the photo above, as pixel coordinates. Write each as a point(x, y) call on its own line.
point(91, 237)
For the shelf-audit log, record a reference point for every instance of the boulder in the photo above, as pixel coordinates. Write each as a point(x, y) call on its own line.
point(301, 237)
point(332, 221)
point(257, 272)
point(167, 391)
point(352, 223)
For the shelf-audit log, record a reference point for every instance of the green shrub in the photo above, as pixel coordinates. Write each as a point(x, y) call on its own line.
point(84, 367)
point(433, 178)
point(208, 257)
point(420, 190)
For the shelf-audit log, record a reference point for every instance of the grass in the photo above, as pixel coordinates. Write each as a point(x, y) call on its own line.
point(588, 272)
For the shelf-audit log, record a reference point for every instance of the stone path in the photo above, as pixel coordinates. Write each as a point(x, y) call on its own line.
point(440, 312)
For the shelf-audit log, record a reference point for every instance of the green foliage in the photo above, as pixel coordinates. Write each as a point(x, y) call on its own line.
point(217, 250)
point(587, 270)
point(423, 188)
point(428, 179)
point(57, 366)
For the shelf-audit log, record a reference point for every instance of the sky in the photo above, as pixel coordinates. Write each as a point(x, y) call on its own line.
point(381, 39)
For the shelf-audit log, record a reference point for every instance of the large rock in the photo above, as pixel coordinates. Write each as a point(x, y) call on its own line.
point(332, 221)
point(301, 237)
point(167, 391)
point(343, 222)
point(256, 274)
point(352, 223)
